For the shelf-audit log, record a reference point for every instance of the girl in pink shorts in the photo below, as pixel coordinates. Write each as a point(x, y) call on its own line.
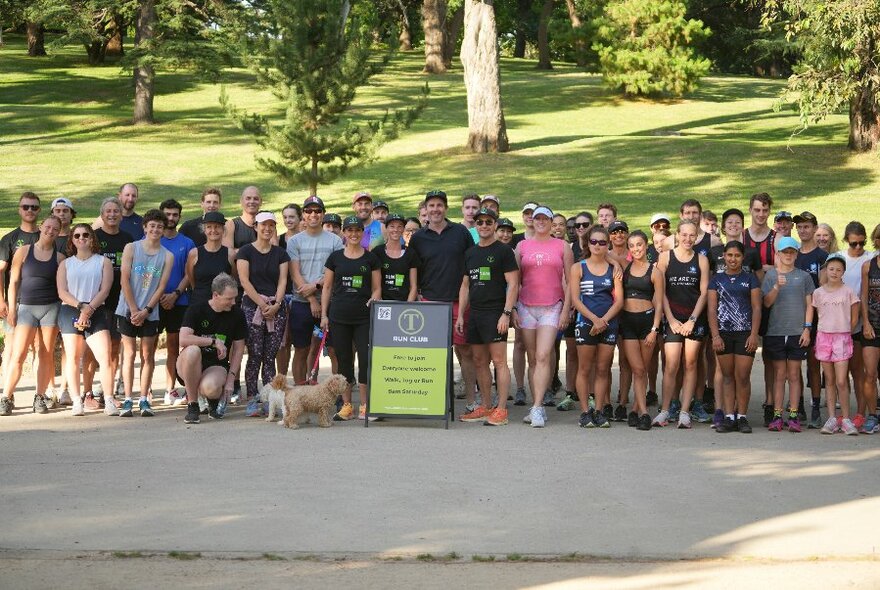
point(838, 309)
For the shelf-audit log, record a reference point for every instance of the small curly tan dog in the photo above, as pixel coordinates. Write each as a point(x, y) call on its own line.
point(319, 399)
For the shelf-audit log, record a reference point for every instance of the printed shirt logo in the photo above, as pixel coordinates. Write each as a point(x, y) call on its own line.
point(692, 270)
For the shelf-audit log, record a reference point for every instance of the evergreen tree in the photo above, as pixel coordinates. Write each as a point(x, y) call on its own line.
point(314, 57)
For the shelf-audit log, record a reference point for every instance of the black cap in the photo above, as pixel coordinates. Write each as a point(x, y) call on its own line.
point(213, 217)
point(395, 217)
point(332, 218)
point(352, 221)
point(486, 212)
point(436, 194)
point(314, 201)
point(806, 216)
point(380, 205)
point(505, 222)
point(618, 225)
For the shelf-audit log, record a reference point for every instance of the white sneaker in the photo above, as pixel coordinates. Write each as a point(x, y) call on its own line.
point(538, 418)
point(110, 407)
point(847, 427)
point(65, 400)
point(830, 426)
point(684, 420)
point(662, 419)
point(77, 409)
point(51, 398)
point(203, 404)
point(173, 398)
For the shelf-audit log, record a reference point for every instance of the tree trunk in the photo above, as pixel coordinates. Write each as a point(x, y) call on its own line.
point(523, 17)
point(114, 45)
point(580, 44)
point(544, 36)
point(405, 37)
point(96, 51)
point(143, 73)
point(487, 131)
point(453, 28)
point(36, 39)
point(864, 121)
point(434, 25)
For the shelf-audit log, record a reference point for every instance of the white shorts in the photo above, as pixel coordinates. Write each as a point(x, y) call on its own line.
point(532, 316)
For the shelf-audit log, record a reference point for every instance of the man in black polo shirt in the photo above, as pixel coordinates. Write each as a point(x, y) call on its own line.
point(212, 339)
point(441, 245)
point(192, 228)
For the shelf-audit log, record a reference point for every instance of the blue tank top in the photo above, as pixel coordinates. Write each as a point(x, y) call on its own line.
point(597, 293)
point(146, 270)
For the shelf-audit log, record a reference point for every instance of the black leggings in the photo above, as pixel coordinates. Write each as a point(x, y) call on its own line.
point(344, 335)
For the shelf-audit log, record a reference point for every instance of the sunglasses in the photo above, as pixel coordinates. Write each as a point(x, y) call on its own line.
point(482, 222)
point(661, 225)
point(311, 211)
point(582, 225)
point(860, 244)
point(598, 242)
point(619, 231)
point(82, 236)
point(30, 207)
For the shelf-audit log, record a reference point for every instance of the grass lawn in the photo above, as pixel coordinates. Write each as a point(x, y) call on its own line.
point(64, 130)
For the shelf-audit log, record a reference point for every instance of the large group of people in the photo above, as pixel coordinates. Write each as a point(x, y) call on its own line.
point(689, 300)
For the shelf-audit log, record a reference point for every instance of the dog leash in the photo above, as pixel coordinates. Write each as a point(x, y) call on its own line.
point(313, 375)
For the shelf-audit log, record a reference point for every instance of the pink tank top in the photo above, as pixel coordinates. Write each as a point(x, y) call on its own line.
point(541, 265)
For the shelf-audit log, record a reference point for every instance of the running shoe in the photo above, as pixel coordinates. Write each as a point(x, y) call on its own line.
point(632, 419)
point(608, 412)
point(538, 417)
point(90, 403)
point(6, 406)
point(858, 421)
point(126, 410)
point(192, 413)
point(871, 425)
point(699, 412)
point(620, 413)
point(549, 399)
point(674, 410)
point(830, 426)
point(221, 410)
point(742, 424)
point(51, 399)
point(775, 424)
point(203, 405)
point(175, 398)
point(214, 409)
point(794, 425)
point(65, 400)
point(586, 419)
point(600, 419)
point(591, 400)
point(848, 426)
point(479, 414)
point(110, 407)
point(651, 398)
point(520, 397)
point(346, 412)
point(684, 420)
point(77, 409)
point(717, 418)
point(727, 424)
point(566, 403)
point(144, 407)
point(662, 418)
point(498, 417)
point(254, 408)
point(815, 417)
point(768, 414)
point(644, 422)
point(40, 405)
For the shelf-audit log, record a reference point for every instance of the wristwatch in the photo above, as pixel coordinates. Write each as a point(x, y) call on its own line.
point(507, 312)
point(693, 318)
point(149, 309)
point(177, 292)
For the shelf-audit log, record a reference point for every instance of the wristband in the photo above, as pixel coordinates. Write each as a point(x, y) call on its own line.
point(808, 324)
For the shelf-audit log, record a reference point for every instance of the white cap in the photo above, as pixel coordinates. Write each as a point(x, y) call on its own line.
point(659, 217)
point(542, 210)
point(265, 216)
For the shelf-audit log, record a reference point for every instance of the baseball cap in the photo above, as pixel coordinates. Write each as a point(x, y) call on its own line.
point(436, 194)
point(484, 212)
point(618, 225)
point(394, 217)
point(352, 221)
point(361, 195)
point(505, 222)
point(213, 217)
point(542, 210)
point(807, 217)
point(782, 215)
point(332, 218)
point(315, 201)
point(264, 216)
point(492, 198)
point(835, 256)
point(380, 204)
point(64, 201)
point(659, 217)
point(529, 207)
point(785, 243)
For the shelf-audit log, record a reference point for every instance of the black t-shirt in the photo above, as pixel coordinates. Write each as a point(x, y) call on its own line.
point(112, 246)
point(485, 267)
point(61, 244)
point(517, 238)
point(751, 260)
point(192, 228)
point(395, 272)
point(442, 258)
point(811, 263)
point(352, 286)
point(226, 326)
point(263, 269)
point(12, 242)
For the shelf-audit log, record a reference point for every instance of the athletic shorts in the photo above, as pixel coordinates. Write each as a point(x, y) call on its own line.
point(483, 327)
point(302, 323)
point(735, 343)
point(532, 316)
point(209, 359)
point(111, 323)
point(38, 316)
point(146, 330)
point(636, 325)
point(834, 347)
point(67, 315)
point(170, 320)
point(457, 339)
point(699, 333)
point(873, 342)
point(582, 336)
point(784, 348)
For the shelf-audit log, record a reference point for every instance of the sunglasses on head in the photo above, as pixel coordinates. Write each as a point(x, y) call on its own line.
point(30, 207)
point(582, 225)
point(484, 222)
point(82, 236)
point(859, 244)
point(598, 242)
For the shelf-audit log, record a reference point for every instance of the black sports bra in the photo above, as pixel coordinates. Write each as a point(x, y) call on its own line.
point(638, 287)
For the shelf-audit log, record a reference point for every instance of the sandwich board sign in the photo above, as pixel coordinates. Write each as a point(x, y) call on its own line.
point(410, 360)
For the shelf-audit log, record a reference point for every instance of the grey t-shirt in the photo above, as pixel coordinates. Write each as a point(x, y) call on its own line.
point(788, 312)
point(311, 252)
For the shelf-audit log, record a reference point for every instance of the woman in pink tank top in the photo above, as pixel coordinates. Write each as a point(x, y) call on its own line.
point(543, 306)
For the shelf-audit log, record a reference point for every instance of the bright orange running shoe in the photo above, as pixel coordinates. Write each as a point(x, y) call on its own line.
point(498, 417)
point(478, 415)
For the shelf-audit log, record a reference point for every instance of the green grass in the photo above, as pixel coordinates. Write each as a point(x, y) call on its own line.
point(65, 131)
point(184, 555)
